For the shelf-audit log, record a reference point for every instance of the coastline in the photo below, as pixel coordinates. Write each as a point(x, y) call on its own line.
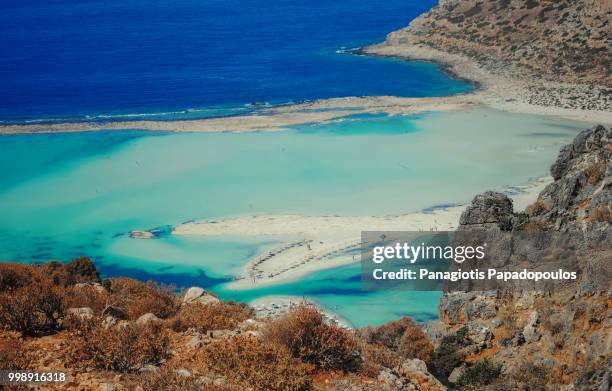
point(501, 93)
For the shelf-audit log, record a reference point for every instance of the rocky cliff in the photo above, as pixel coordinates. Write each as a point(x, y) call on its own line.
point(557, 339)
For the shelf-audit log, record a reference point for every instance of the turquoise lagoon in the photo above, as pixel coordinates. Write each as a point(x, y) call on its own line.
point(72, 194)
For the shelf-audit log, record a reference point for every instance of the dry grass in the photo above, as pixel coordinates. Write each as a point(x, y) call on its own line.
point(206, 317)
point(124, 348)
point(251, 363)
point(14, 353)
point(534, 226)
point(310, 339)
point(168, 379)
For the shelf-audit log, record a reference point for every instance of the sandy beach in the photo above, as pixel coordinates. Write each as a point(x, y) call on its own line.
point(313, 243)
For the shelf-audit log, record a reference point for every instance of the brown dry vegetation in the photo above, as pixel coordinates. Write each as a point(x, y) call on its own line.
point(596, 172)
point(290, 353)
point(30, 303)
point(403, 337)
point(13, 353)
point(206, 317)
point(124, 348)
point(538, 207)
point(250, 362)
point(138, 298)
point(310, 339)
point(602, 214)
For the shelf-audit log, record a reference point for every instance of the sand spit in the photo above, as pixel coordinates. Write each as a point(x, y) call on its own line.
point(271, 119)
point(313, 243)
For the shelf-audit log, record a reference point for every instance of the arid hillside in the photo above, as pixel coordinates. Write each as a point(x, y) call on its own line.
point(558, 40)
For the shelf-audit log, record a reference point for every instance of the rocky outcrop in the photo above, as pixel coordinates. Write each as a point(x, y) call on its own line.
point(199, 295)
point(560, 338)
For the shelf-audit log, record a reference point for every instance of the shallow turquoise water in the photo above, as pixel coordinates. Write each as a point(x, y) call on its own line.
point(66, 195)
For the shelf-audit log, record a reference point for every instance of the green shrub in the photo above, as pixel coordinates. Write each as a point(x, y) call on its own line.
point(447, 356)
point(480, 374)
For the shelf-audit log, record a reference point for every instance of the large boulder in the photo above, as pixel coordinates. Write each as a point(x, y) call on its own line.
point(530, 331)
point(416, 371)
point(115, 312)
point(81, 313)
point(197, 294)
point(147, 318)
point(489, 209)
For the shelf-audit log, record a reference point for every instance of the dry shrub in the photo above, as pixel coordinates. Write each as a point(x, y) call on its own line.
point(14, 275)
point(86, 296)
point(402, 336)
point(310, 339)
point(595, 172)
point(215, 316)
point(538, 207)
point(14, 354)
point(600, 214)
point(34, 309)
point(79, 270)
point(534, 376)
point(375, 356)
point(138, 298)
point(533, 226)
point(124, 348)
point(248, 362)
point(509, 323)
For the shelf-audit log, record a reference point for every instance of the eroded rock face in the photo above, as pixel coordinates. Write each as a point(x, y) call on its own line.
point(583, 180)
point(561, 336)
point(488, 209)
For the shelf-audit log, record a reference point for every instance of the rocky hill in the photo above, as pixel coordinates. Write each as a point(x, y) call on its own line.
point(555, 41)
point(560, 38)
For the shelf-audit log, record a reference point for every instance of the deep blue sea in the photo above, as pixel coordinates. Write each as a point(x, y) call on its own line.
point(84, 59)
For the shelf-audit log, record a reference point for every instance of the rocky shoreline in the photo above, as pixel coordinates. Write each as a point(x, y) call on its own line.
point(518, 52)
